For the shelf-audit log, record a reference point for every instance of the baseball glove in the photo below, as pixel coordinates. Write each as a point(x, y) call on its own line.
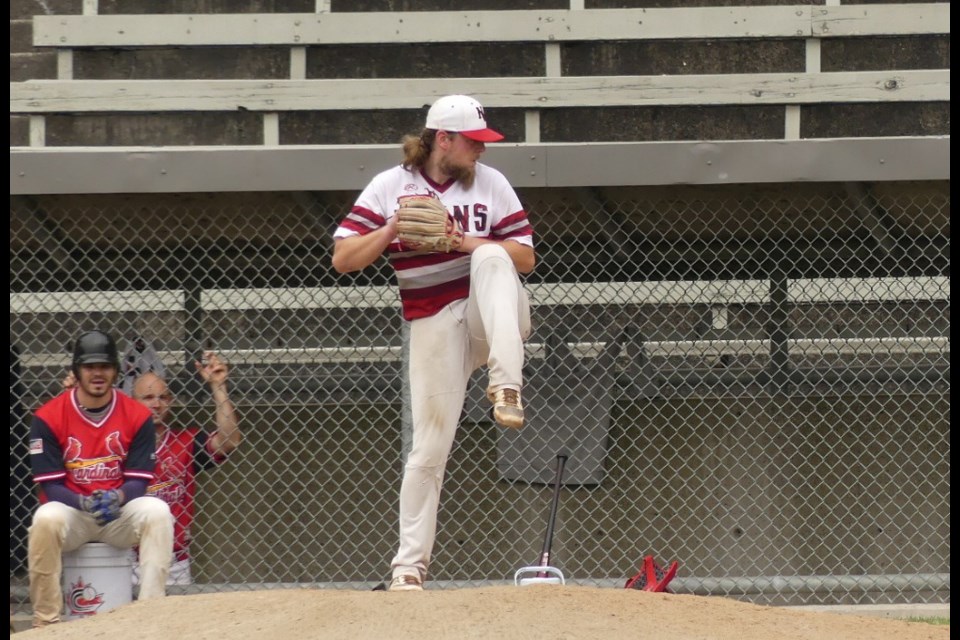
point(423, 224)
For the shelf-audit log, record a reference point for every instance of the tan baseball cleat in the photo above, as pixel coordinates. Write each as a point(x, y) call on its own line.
point(507, 409)
point(405, 583)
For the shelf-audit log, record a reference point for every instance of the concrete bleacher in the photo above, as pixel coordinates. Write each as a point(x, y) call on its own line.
point(125, 64)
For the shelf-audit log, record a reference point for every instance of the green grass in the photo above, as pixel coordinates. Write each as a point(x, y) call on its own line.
point(931, 620)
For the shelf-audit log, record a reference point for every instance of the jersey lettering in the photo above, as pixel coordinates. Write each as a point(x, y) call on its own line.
point(87, 470)
point(462, 215)
point(480, 216)
point(98, 472)
point(477, 222)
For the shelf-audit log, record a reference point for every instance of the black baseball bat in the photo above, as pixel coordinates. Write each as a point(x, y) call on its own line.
point(548, 538)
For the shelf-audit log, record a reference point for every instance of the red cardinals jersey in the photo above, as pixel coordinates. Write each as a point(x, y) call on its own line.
point(488, 209)
point(67, 445)
point(181, 455)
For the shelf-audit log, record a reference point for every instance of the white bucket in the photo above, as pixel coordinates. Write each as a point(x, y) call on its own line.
point(97, 577)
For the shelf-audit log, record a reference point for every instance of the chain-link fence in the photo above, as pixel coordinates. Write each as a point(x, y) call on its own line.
point(750, 379)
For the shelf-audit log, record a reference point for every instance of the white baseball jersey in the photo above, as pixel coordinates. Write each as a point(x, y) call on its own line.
point(488, 209)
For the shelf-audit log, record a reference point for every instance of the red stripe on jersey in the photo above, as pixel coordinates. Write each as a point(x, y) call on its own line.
point(356, 227)
point(519, 233)
point(370, 221)
point(512, 219)
point(421, 302)
point(401, 262)
point(513, 226)
point(427, 301)
point(372, 216)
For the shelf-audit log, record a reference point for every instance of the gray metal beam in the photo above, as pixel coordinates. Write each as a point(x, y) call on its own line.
point(77, 170)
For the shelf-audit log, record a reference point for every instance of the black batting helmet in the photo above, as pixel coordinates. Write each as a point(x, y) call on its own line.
point(95, 347)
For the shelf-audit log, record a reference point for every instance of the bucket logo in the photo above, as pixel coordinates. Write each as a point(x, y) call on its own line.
point(83, 599)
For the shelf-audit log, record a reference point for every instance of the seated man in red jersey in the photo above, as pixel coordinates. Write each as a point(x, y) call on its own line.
point(182, 453)
point(92, 454)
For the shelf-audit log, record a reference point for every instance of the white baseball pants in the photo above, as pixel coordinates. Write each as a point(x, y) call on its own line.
point(488, 327)
point(179, 575)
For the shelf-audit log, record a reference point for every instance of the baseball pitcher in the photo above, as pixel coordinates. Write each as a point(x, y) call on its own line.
point(457, 236)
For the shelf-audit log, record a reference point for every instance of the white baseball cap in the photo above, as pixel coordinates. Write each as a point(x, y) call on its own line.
point(463, 115)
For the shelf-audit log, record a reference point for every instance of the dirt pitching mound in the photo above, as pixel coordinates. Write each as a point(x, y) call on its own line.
point(537, 612)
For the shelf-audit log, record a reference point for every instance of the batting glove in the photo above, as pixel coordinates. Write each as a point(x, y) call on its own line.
point(108, 506)
point(90, 504)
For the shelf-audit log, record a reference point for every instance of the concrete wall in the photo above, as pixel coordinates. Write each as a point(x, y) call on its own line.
point(413, 60)
point(731, 487)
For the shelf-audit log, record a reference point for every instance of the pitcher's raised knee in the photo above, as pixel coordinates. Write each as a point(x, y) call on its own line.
point(487, 251)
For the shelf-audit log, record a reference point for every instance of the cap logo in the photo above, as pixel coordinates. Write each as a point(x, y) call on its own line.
point(461, 114)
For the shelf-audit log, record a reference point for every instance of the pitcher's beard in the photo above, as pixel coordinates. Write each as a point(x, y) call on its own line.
point(463, 175)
